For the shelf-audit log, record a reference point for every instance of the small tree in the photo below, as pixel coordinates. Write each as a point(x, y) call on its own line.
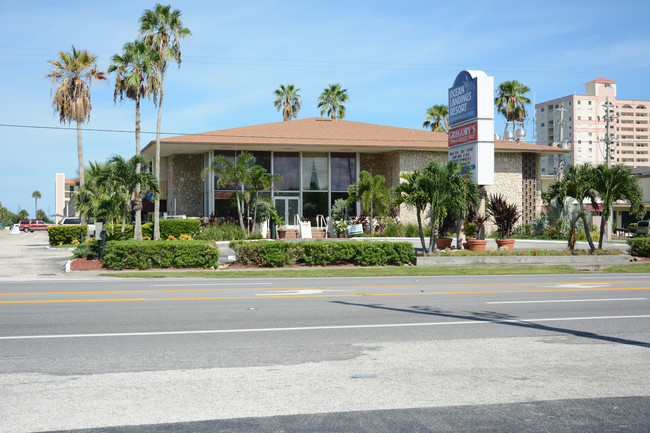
point(373, 194)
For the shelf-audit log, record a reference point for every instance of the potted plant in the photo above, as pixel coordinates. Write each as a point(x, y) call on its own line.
point(340, 228)
point(281, 228)
point(473, 230)
point(505, 217)
point(446, 231)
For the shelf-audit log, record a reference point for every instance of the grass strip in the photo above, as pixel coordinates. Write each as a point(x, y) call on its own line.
point(392, 271)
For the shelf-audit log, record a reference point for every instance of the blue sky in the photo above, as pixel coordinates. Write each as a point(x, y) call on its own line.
point(395, 58)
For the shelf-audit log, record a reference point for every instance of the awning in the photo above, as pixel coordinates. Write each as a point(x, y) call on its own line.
point(591, 208)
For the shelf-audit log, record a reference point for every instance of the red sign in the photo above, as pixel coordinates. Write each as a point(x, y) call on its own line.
point(463, 134)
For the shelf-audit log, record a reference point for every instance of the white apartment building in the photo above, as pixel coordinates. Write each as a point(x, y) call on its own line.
point(579, 123)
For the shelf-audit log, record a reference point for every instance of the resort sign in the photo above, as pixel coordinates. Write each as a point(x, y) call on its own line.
point(471, 124)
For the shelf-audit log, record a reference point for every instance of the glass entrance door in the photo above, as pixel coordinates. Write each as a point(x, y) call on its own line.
point(287, 208)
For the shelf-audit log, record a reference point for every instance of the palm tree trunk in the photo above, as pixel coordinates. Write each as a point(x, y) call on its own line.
point(239, 212)
point(419, 219)
point(372, 225)
point(603, 226)
point(572, 235)
point(137, 230)
point(124, 207)
point(434, 235)
point(587, 232)
point(80, 154)
point(156, 206)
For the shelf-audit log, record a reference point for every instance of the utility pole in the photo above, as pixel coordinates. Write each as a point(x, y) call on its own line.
point(561, 143)
point(608, 150)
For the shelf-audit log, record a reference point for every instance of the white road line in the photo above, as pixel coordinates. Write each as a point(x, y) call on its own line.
point(567, 300)
point(318, 328)
point(211, 284)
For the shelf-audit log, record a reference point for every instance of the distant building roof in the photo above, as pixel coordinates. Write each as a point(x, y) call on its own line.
point(321, 134)
point(601, 80)
point(68, 181)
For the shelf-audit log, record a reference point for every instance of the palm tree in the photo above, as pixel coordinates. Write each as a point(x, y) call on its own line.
point(613, 184)
point(162, 30)
point(437, 118)
point(288, 100)
point(410, 194)
point(331, 101)
point(510, 101)
point(124, 177)
point(98, 198)
point(72, 75)
point(36, 195)
point(229, 173)
point(136, 78)
point(579, 183)
point(260, 180)
point(373, 194)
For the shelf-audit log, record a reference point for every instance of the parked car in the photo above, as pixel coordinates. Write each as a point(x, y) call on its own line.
point(642, 228)
point(77, 221)
point(32, 225)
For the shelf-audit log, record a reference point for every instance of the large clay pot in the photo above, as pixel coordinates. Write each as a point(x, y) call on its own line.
point(282, 234)
point(443, 243)
point(510, 243)
point(476, 244)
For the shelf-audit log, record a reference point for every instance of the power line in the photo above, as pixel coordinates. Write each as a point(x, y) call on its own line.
point(208, 134)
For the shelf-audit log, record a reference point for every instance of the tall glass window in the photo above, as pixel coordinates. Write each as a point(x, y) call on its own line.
point(344, 170)
point(315, 174)
point(287, 165)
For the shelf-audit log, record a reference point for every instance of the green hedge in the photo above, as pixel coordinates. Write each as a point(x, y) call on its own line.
point(147, 229)
point(160, 254)
point(65, 234)
point(176, 228)
point(324, 253)
point(639, 247)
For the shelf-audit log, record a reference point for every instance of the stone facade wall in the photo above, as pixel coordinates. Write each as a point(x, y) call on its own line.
point(385, 164)
point(507, 179)
point(184, 184)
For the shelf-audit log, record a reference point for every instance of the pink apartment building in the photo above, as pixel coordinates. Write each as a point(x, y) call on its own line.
point(579, 123)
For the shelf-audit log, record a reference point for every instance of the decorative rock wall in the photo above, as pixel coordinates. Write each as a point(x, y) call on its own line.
point(184, 184)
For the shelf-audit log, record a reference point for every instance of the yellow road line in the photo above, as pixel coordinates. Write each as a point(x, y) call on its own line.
point(275, 289)
point(46, 301)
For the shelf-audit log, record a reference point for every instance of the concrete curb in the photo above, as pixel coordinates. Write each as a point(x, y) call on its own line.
point(578, 262)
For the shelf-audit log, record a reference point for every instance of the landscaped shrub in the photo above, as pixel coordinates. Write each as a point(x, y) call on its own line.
point(222, 232)
point(639, 247)
point(412, 230)
point(85, 250)
point(265, 253)
point(394, 230)
point(176, 228)
point(117, 228)
point(324, 253)
point(168, 254)
point(65, 234)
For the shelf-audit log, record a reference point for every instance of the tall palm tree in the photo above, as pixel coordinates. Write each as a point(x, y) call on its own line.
point(36, 195)
point(163, 31)
point(613, 184)
point(136, 78)
point(72, 74)
point(331, 101)
point(288, 100)
point(229, 173)
point(437, 118)
point(125, 178)
point(511, 101)
point(373, 194)
point(578, 182)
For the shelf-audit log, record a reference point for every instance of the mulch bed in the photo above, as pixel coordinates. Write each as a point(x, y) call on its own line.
point(84, 264)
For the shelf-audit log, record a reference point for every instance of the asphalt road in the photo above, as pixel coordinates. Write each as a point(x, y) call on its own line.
point(503, 353)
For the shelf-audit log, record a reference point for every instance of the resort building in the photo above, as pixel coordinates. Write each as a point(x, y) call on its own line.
point(320, 158)
point(579, 123)
point(64, 191)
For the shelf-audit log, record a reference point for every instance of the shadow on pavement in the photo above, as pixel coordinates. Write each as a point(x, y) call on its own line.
point(498, 318)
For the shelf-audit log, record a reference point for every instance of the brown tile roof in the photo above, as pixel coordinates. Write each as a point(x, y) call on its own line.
point(319, 134)
point(600, 80)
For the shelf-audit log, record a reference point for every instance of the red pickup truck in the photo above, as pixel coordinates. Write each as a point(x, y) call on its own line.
point(31, 225)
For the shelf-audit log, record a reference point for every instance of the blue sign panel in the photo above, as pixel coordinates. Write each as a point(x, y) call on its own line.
point(462, 98)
